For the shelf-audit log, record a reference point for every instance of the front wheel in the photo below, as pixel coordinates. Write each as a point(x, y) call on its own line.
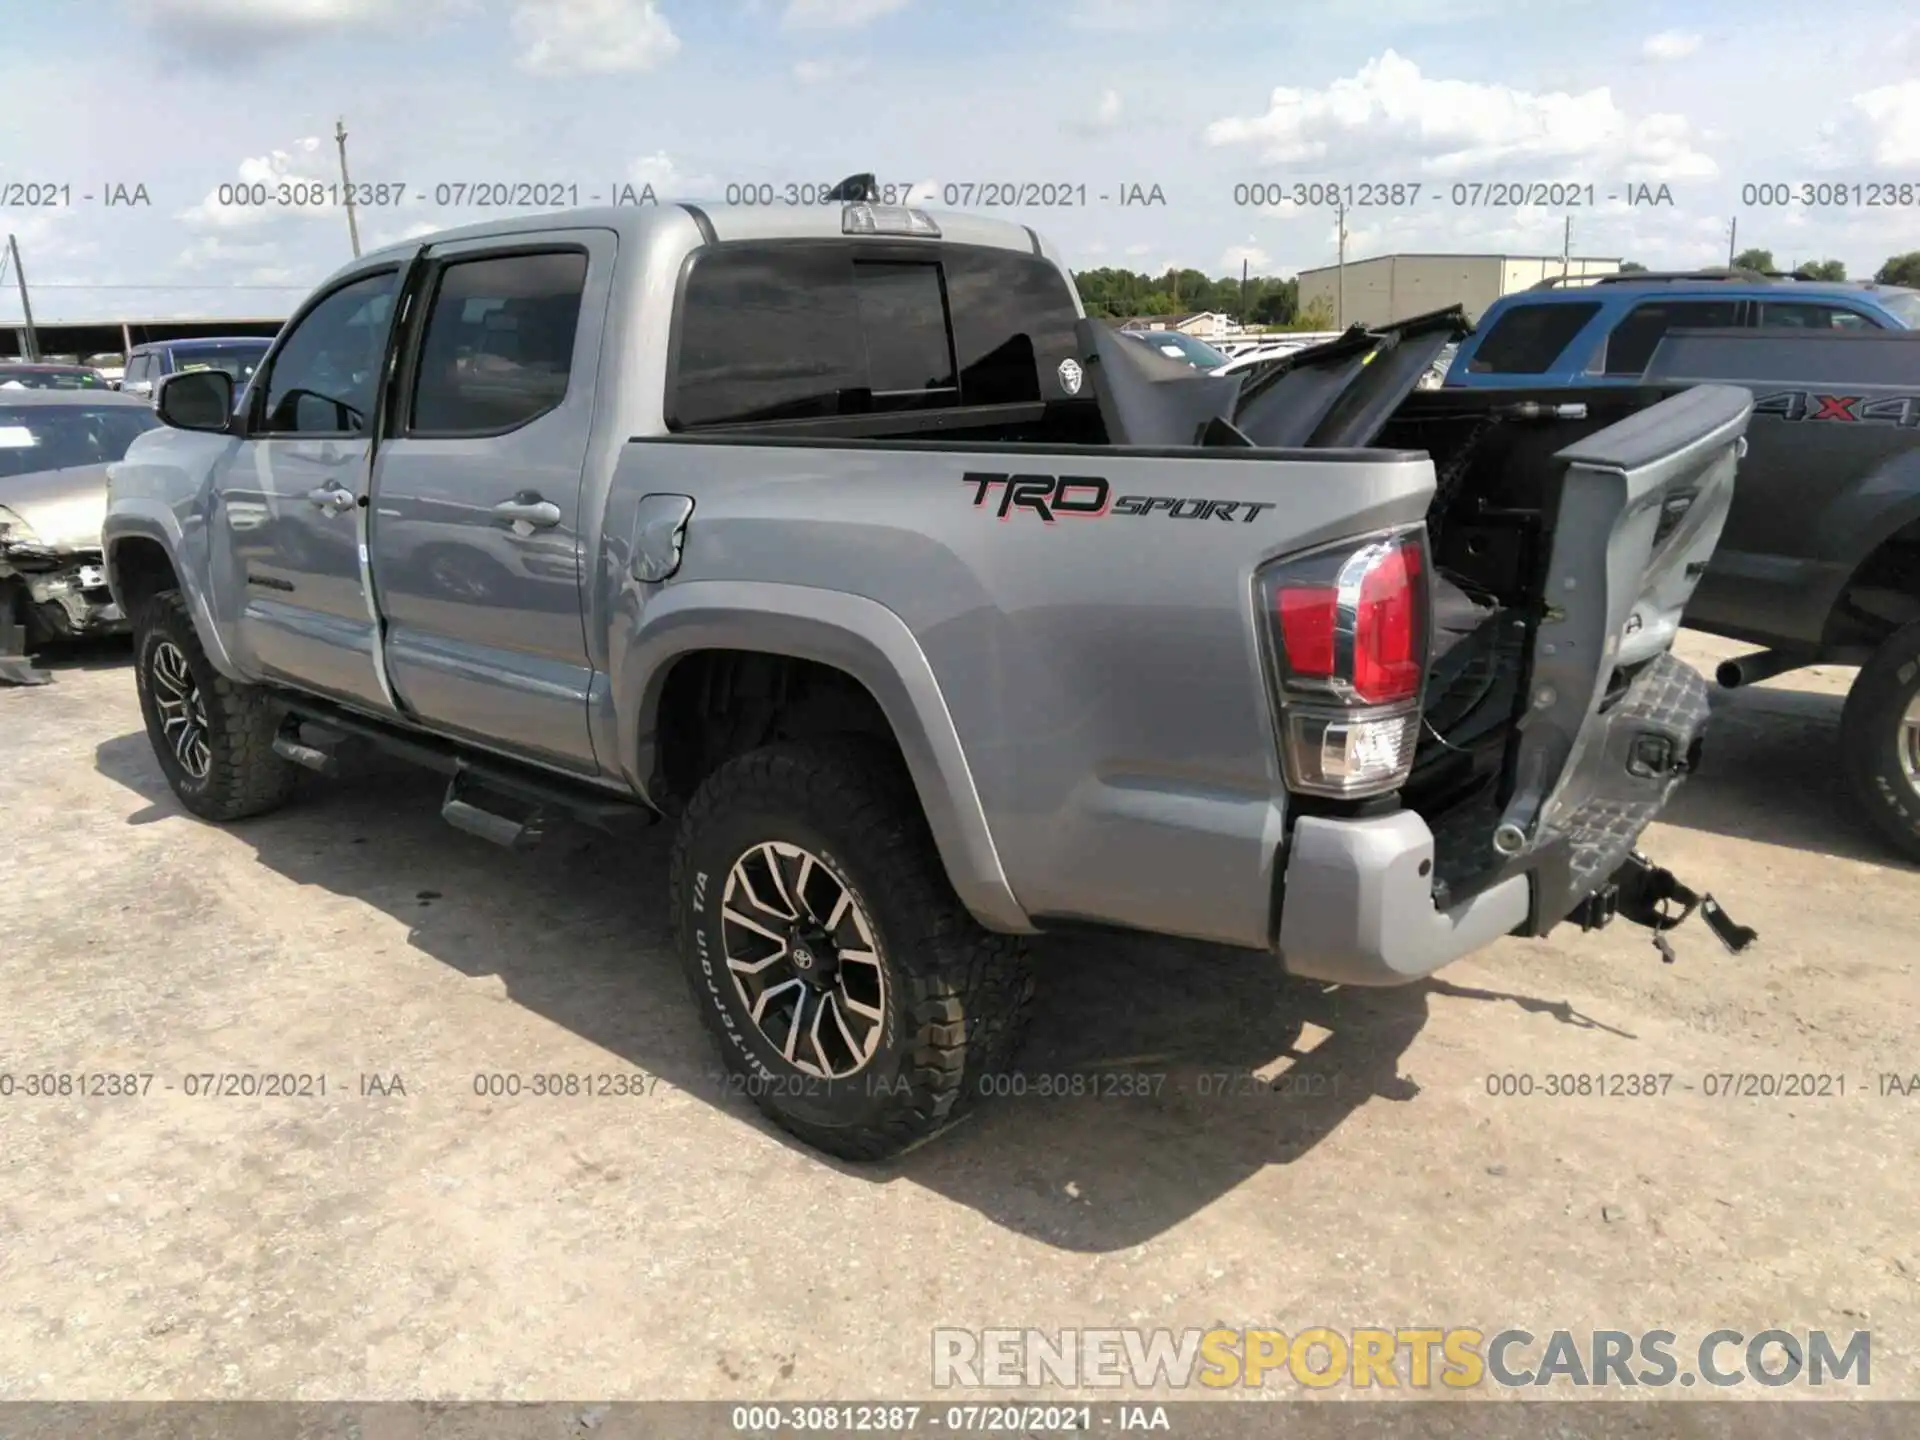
point(851, 996)
point(1880, 738)
point(212, 736)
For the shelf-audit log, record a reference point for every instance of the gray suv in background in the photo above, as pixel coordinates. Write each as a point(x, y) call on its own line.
point(931, 614)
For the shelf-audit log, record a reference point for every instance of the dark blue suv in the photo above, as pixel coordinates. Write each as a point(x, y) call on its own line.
point(1604, 331)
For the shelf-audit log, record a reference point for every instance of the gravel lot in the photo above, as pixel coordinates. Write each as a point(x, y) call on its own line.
point(668, 1244)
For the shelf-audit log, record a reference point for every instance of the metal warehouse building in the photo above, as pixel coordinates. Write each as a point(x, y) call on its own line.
point(1393, 287)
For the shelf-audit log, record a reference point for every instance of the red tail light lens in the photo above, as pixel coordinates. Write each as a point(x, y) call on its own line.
point(1389, 639)
point(1349, 631)
point(1309, 615)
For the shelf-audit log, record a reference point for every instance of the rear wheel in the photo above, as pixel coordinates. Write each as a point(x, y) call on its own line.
point(212, 736)
point(1880, 738)
point(852, 997)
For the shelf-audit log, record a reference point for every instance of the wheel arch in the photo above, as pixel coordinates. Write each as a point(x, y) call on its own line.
point(142, 553)
point(847, 636)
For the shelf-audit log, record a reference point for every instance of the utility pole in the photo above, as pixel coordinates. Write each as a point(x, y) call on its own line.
point(346, 185)
point(1566, 251)
point(1733, 231)
point(26, 306)
point(1340, 271)
point(1243, 292)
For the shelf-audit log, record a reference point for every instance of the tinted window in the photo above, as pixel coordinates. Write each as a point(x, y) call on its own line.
point(28, 377)
point(903, 315)
point(498, 350)
point(1800, 315)
point(769, 334)
point(1529, 338)
point(1012, 325)
point(54, 437)
point(136, 370)
point(327, 372)
point(237, 359)
point(1632, 343)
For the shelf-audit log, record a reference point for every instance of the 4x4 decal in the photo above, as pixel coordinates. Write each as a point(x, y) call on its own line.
point(1090, 497)
point(1901, 410)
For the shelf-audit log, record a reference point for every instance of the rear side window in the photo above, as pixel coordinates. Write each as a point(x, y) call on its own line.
point(1634, 339)
point(798, 331)
point(1529, 338)
point(498, 348)
point(1791, 315)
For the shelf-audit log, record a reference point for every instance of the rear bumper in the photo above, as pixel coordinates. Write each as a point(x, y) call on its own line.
point(1359, 906)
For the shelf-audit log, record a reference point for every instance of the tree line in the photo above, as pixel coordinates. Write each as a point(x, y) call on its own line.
point(1274, 300)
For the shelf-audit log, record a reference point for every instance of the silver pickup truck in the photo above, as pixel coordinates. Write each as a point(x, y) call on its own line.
point(933, 614)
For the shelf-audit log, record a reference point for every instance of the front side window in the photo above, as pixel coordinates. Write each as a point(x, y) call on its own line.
point(498, 348)
point(1634, 339)
point(328, 372)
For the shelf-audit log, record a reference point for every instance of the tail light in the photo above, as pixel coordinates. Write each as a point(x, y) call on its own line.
point(1348, 630)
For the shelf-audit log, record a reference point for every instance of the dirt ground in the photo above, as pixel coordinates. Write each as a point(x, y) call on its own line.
point(429, 1241)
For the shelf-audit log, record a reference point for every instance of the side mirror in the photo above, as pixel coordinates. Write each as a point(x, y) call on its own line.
point(195, 400)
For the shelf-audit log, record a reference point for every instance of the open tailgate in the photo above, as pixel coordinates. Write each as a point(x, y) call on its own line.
point(1613, 719)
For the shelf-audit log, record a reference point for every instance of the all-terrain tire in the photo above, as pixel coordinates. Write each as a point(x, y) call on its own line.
point(1873, 738)
point(242, 774)
point(956, 995)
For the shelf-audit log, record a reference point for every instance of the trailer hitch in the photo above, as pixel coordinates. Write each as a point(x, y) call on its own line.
point(1644, 893)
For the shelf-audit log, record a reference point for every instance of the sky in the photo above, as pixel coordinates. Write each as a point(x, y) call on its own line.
point(1703, 113)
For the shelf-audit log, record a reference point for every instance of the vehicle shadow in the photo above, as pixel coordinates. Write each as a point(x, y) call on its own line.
point(1158, 1076)
point(96, 652)
point(1770, 773)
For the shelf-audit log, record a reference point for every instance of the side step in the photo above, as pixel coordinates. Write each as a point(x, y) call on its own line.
point(521, 832)
point(494, 800)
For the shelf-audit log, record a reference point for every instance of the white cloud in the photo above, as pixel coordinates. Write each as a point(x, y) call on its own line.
point(306, 165)
point(836, 14)
point(1390, 114)
point(1138, 250)
point(667, 179)
point(215, 30)
point(1252, 256)
point(1108, 112)
point(1892, 118)
point(592, 37)
point(1670, 45)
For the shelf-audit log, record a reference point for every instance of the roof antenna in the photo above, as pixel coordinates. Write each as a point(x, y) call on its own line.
point(862, 187)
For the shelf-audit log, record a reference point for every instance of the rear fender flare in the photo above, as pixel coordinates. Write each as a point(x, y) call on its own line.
point(853, 634)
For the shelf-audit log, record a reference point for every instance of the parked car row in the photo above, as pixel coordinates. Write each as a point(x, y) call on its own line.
point(237, 355)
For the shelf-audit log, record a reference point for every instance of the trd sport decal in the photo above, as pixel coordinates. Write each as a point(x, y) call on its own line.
point(1902, 410)
point(1089, 497)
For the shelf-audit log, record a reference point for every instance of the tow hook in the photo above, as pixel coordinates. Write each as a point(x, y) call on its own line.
point(1644, 892)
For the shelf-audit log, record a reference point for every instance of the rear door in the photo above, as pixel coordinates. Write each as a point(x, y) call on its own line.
point(291, 496)
point(475, 537)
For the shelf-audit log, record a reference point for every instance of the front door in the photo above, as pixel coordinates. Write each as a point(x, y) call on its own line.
point(292, 496)
point(475, 534)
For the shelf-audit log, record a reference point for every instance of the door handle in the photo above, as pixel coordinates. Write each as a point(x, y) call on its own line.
point(333, 497)
point(529, 509)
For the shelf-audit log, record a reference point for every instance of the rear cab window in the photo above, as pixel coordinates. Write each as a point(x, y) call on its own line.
point(1529, 338)
point(806, 330)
